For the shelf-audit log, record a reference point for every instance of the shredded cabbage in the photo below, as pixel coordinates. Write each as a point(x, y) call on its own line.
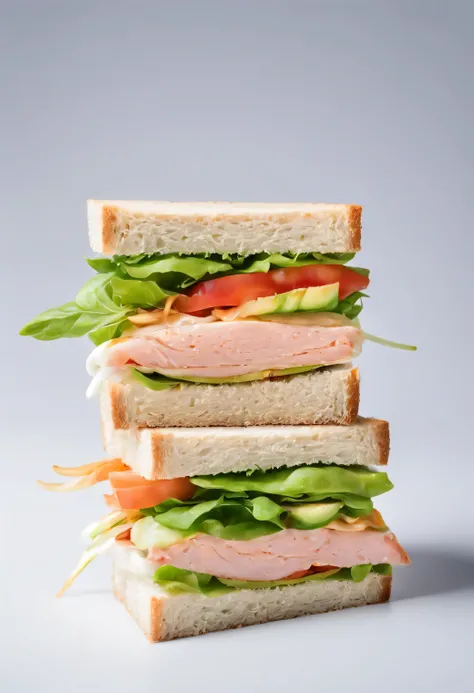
point(102, 543)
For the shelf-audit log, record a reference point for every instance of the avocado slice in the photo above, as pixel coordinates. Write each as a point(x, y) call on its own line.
point(313, 298)
point(312, 515)
point(249, 377)
point(155, 381)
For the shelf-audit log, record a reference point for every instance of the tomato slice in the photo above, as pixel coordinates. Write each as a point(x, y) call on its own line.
point(311, 571)
point(133, 492)
point(240, 288)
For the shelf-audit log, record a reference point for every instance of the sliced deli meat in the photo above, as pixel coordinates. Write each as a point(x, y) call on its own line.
point(221, 350)
point(279, 555)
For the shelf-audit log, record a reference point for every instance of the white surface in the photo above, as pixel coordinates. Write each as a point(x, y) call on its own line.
point(422, 640)
point(368, 102)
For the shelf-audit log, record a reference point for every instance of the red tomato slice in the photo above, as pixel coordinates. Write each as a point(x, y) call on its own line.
point(240, 288)
point(311, 571)
point(134, 492)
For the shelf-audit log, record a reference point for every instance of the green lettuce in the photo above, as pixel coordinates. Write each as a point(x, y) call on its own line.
point(230, 518)
point(246, 517)
point(320, 479)
point(241, 507)
point(179, 581)
point(125, 283)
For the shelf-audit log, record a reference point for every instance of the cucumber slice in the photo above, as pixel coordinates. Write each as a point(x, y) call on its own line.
point(312, 515)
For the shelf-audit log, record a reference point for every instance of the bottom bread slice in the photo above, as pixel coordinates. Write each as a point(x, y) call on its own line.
point(165, 617)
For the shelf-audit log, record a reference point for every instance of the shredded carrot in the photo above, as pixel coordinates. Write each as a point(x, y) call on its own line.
point(358, 524)
point(111, 501)
point(226, 314)
point(152, 317)
point(168, 303)
point(125, 536)
point(100, 472)
point(81, 471)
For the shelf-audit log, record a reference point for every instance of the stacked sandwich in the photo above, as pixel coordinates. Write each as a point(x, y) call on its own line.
point(241, 477)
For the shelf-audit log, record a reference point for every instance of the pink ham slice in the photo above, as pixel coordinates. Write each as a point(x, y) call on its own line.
point(279, 555)
point(221, 350)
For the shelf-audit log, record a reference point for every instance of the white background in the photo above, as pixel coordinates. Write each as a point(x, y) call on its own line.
point(366, 102)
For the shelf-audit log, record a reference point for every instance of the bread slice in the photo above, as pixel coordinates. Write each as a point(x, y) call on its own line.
point(164, 617)
point(166, 453)
point(128, 228)
point(326, 396)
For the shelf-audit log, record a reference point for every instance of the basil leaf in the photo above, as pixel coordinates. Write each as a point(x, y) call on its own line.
point(67, 320)
point(350, 306)
point(109, 330)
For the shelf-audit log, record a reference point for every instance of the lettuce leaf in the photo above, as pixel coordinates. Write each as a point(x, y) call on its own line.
point(321, 479)
point(155, 381)
point(125, 283)
point(228, 518)
point(179, 581)
point(191, 267)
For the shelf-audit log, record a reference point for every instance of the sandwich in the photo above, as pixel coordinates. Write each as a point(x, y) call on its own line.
point(217, 528)
point(218, 314)
point(241, 475)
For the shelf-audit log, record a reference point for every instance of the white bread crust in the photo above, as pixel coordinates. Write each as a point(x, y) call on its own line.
point(163, 617)
point(131, 227)
point(326, 396)
point(166, 453)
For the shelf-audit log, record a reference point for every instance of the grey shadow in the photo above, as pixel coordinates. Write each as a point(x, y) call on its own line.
point(433, 571)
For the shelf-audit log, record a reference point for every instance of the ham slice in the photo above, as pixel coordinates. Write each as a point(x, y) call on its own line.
point(222, 350)
point(279, 555)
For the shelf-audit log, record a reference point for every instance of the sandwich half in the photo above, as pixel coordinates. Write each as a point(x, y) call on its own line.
point(246, 526)
point(220, 314)
point(165, 616)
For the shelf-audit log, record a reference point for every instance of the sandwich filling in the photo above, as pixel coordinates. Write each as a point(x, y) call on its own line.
point(213, 317)
point(196, 348)
point(263, 528)
point(169, 319)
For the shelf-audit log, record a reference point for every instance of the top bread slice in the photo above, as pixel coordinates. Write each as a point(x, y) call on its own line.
point(118, 227)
